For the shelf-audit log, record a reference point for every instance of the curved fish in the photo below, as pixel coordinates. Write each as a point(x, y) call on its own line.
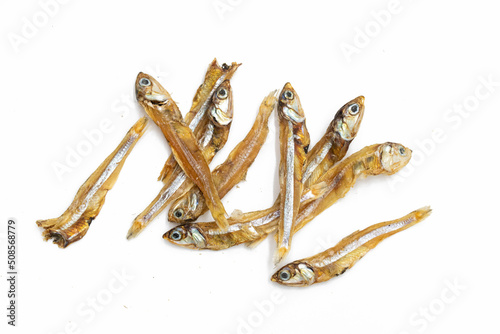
point(160, 107)
point(191, 205)
point(294, 143)
point(336, 260)
point(74, 223)
point(378, 159)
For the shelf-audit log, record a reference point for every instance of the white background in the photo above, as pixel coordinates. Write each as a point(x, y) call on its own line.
point(78, 68)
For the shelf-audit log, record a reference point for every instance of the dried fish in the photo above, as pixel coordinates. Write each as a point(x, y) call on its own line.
point(243, 228)
point(333, 146)
point(158, 104)
point(74, 223)
point(197, 117)
point(199, 121)
point(336, 260)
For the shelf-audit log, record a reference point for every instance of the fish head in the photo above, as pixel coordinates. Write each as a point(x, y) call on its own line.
point(289, 105)
point(394, 157)
point(186, 235)
point(149, 92)
point(295, 274)
point(348, 119)
point(185, 209)
point(221, 110)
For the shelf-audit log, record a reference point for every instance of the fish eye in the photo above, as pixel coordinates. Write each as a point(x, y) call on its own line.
point(144, 82)
point(222, 93)
point(225, 66)
point(402, 150)
point(178, 213)
point(288, 95)
point(285, 275)
point(354, 109)
point(176, 235)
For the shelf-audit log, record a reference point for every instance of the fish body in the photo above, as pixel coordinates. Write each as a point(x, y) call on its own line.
point(333, 146)
point(158, 104)
point(74, 223)
point(336, 260)
point(191, 205)
point(211, 138)
point(294, 143)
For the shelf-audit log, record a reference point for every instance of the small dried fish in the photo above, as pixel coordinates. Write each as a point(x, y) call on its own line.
point(336, 260)
point(294, 143)
point(192, 204)
point(387, 158)
point(209, 137)
point(74, 223)
point(158, 104)
point(197, 117)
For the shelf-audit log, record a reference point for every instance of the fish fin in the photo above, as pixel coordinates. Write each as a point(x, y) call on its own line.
point(254, 243)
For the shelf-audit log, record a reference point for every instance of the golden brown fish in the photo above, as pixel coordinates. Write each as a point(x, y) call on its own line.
point(74, 223)
point(294, 143)
point(197, 117)
point(214, 138)
point(253, 227)
point(336, 260)
point(191, 205)
point(158, 104)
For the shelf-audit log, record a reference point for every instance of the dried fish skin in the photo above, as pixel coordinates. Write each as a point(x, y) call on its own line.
point(192, 204)
point(294, 143)
point(336, 260)
point(211, 140)
point(74, 223)
point(160, 107)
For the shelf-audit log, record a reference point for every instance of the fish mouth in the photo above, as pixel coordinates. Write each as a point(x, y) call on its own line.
point(293, 115)
point(221, 117)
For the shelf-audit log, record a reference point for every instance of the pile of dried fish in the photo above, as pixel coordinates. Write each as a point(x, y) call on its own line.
point(310, 180)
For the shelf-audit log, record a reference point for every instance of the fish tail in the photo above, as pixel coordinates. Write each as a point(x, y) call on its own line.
point(280, 254)
point(63, 237)
point(138, 225)
point(423, 213)
point(48, 223)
